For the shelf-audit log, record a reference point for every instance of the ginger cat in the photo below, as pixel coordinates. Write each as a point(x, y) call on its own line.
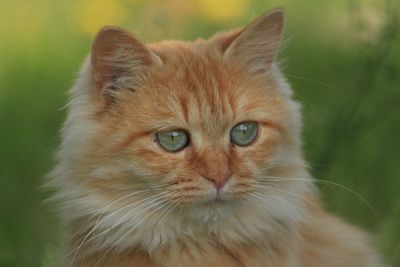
point(183, 154)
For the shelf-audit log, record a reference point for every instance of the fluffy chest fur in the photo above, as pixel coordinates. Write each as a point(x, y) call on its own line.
point(200, 252)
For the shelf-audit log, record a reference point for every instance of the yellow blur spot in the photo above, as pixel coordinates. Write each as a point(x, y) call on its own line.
point(221, 10)
point(22, 22)
point(91, 15)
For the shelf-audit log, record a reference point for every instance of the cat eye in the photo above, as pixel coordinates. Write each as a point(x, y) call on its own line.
point(173, 140)
point(244, 133)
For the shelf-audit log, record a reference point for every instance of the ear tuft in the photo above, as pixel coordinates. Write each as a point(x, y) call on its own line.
point(117, 55)
point(257, 45)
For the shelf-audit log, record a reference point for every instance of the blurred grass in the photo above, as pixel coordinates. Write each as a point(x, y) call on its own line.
point(342, 60)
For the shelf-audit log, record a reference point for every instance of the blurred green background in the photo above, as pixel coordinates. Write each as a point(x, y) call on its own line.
point(342, 58)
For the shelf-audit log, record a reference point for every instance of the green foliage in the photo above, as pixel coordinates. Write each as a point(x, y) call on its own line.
point(342, 60)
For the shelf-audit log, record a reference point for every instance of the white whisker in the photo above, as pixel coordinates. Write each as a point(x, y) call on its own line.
point(267, 179)
point(144, 218)
point(86, 240)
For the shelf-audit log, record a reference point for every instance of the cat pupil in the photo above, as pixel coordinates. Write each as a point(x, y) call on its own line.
point(243, 128)
point(173, 134)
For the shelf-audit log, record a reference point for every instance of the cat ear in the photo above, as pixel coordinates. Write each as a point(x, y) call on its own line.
point(118, 59)
point(257, 44)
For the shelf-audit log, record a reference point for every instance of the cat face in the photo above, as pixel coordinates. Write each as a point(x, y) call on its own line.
point(203, 120)
point(204, 102)
point(182, 130)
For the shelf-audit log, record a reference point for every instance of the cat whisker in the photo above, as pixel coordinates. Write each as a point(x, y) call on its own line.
point(103, 210)
point(152, 199)
point(256, 199)
point(165, 203)
point(288, 193)
point(312, 81)
point(162, 217)
point(99, 214)
point(105, 254)
point(278, 178)
point(147, 201)
point(261, 197)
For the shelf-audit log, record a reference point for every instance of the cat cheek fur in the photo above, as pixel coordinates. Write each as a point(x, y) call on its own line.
point(127, 201)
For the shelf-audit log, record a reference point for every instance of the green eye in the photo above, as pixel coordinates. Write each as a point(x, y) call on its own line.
point(173, 140)
point(244, 133)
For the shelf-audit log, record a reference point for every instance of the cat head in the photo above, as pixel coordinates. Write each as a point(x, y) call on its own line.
point(183, 130)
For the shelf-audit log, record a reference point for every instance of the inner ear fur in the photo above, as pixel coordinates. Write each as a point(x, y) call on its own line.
point(118, 58)
point(257, 44)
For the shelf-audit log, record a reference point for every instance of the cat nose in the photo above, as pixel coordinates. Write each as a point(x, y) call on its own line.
point(219, 180)
point(214, 165)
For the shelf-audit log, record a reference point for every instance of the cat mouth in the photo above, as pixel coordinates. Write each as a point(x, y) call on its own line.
point(216, 199)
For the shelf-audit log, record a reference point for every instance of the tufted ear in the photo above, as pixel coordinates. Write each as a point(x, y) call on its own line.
point(119, 60)
point(257, 44)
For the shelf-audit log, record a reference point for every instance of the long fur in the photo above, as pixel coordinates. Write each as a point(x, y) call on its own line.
point(127, 202)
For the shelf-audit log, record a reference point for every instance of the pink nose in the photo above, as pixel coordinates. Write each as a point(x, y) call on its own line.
point(219, 181)
point(214, 165)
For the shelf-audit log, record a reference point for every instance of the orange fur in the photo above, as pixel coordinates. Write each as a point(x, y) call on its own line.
point(128, 202)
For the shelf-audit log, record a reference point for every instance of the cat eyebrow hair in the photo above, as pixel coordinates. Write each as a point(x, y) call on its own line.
point(273, 124)
point(185, 108)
